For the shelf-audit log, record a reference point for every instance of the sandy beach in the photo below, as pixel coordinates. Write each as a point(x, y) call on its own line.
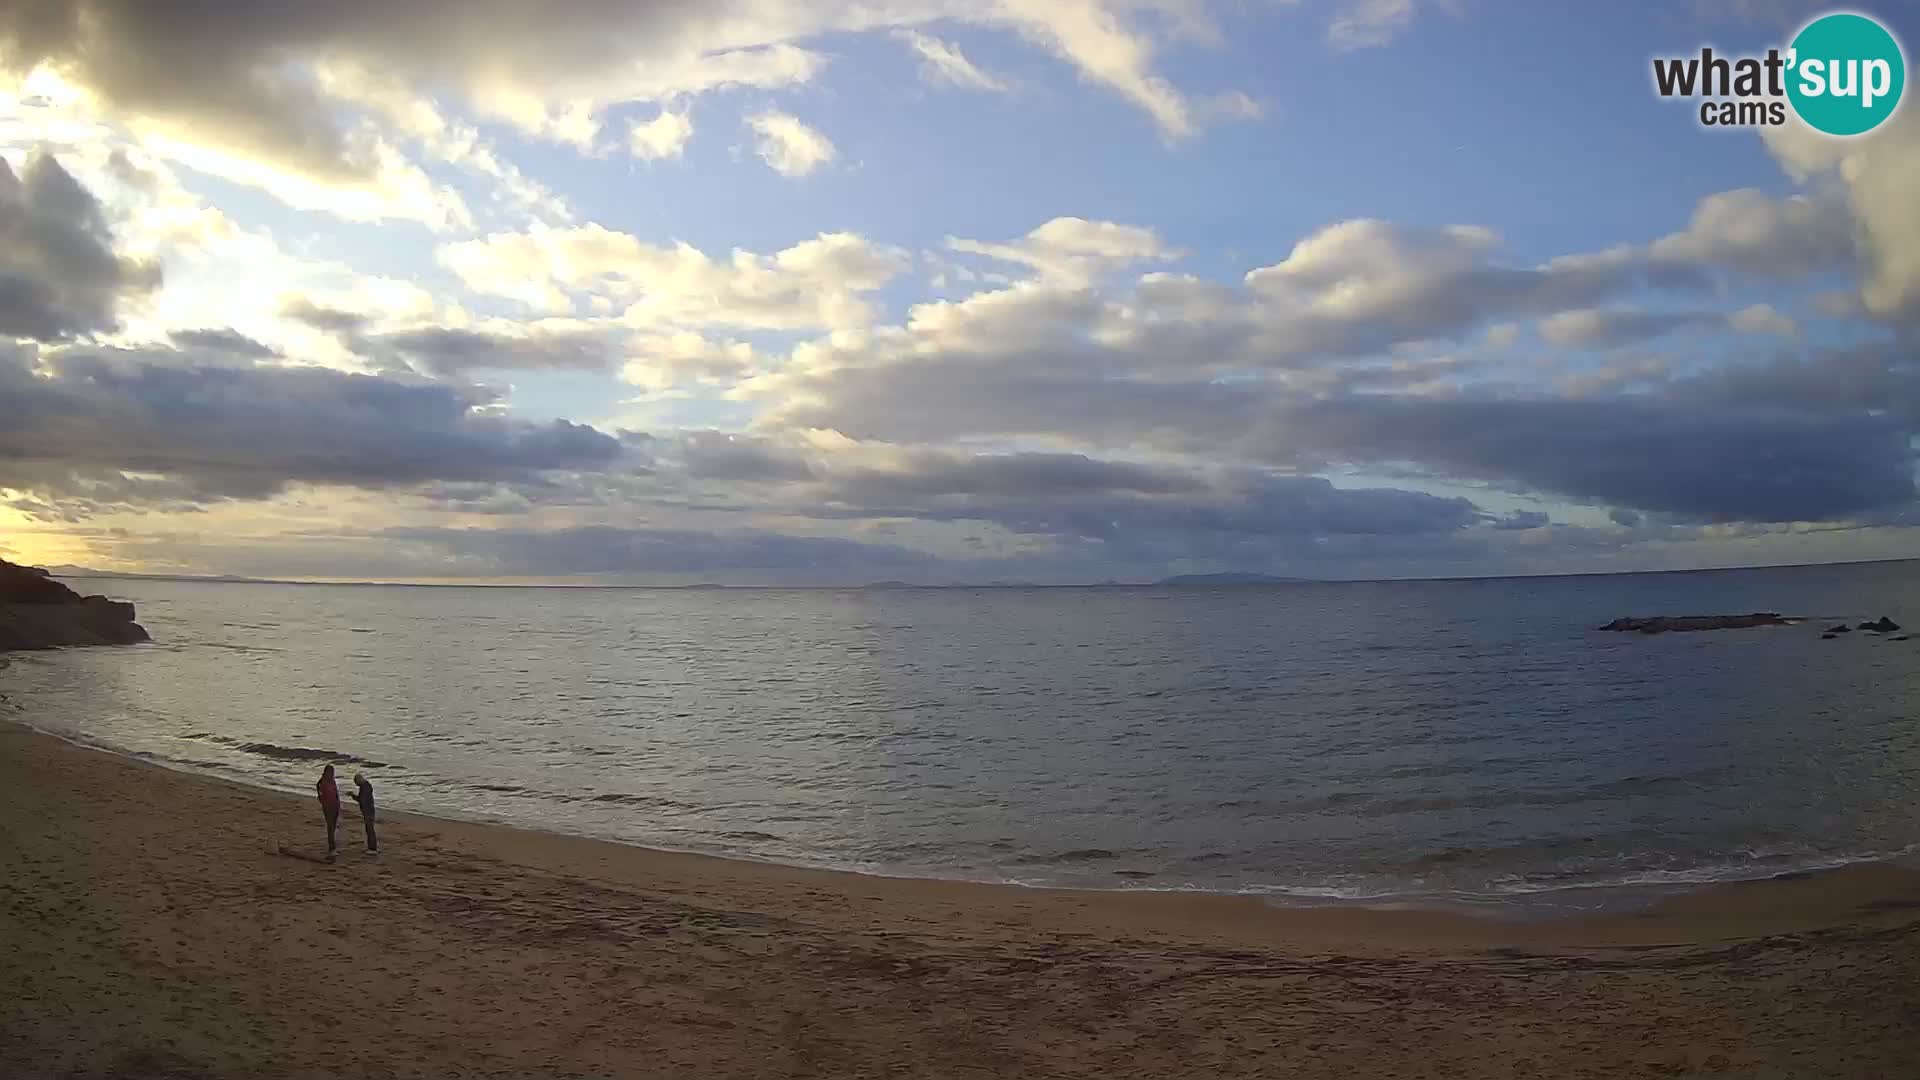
point(151, 929)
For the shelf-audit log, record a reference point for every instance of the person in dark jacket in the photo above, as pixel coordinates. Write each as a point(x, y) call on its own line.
point(363, 794)
point(329, 806)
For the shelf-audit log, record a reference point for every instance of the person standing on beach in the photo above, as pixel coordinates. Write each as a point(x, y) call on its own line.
point(329, 806)
point(363, 794)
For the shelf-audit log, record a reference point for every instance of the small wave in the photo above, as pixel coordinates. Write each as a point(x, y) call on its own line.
point(653, 801)
point(1092, 854)
point(286, 753)
point(305, 753)
point(751, 834)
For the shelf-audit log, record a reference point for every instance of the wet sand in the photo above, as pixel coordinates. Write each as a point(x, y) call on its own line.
point(149, 928)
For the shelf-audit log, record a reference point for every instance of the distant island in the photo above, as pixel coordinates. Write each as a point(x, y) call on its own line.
point(1230, 578)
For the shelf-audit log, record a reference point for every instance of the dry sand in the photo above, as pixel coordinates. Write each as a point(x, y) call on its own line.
point(148, 929)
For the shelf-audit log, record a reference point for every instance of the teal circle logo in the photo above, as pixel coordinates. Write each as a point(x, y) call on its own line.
point(1846, 74)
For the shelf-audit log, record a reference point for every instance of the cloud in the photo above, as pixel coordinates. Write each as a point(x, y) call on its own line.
point(1595, 328)
point(942, 62)
point(311, 105)
point(1361, 286)
point(817, 283)
point(216, 431)
point(1125, 509)
point(664, 136)
point(442, 351)
point(1074, 250)
point(323, 318)
point(1877, 384)
point(1701, 456)
point(1877, 174)
point(1763, 319)
point(1073, 497)
point(664, 362)
point(1108, 52)
point(1366, 24)
point(614, 550)
point(1702, 464)
point(59, 274)
point(224, 342)
point(1754, 233)
point(789, 147)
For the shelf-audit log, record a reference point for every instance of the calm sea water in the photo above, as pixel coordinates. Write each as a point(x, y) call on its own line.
point(1474, 739)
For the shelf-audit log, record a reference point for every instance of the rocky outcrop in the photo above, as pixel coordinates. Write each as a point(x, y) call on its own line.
point(1884, 626)
point(37, 612)
point(1661, 624)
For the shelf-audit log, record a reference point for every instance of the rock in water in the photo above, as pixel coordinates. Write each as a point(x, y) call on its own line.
point(37, 612)
point(1661, 624)
point(1883, 626)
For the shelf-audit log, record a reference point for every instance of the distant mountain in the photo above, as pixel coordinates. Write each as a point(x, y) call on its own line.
point(89, 572)
point(1229, 578)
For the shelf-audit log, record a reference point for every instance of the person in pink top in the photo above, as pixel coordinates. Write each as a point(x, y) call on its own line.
point(329, 806)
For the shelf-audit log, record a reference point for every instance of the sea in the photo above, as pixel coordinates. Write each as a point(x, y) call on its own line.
point(1476, 743)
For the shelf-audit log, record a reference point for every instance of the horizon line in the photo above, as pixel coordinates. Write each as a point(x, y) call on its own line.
point(1275, 580)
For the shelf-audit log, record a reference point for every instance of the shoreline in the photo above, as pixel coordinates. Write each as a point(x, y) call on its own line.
point(160, 934)
point(1616, 898)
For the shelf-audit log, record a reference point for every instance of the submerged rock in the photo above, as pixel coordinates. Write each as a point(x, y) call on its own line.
point(1661, 624)
point(37, 612)
point(1843, 628)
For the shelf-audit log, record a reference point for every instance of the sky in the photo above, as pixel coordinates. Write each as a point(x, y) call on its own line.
point(939, 291)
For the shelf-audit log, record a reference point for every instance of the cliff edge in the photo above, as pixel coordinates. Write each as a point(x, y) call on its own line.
point(37, 612)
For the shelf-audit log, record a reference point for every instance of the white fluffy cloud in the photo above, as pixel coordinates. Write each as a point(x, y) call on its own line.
point(664, 136)
point(1074, 250)
point(815, 284)
point(1877, 173)
point(1751, 232)
point(664, 362)
point(788, 146)
point(942, 62)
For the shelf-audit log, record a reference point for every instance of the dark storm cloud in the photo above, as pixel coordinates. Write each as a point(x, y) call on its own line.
point(224, 341)
point(1028, 475)
point(717, 455)
point(59, 275)
point(1241, 509)
point(248, 432)
point(948, 397)
point(1722, 464)
point(1822, 435)
point(325, 319)
point(1867, 381)
point(610, 550)
point(1073, 496)
point(228, 73)
point(442, 350)
point(1521, 520)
